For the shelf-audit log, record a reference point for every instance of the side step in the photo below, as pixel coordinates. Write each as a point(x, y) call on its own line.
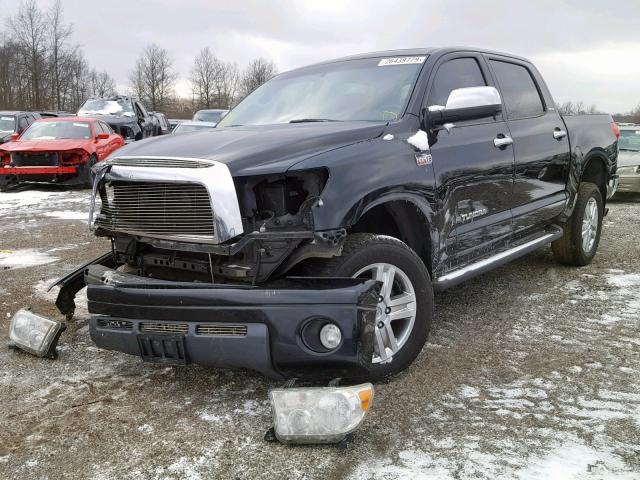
point(452, 279)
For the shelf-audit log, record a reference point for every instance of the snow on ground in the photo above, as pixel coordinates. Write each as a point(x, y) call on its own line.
point(67, 215)
point(49, 202)
point(28, 257)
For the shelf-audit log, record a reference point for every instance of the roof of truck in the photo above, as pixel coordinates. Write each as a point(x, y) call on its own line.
point(408, 52)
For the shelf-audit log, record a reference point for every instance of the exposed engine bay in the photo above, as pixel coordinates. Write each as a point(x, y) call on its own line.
point(169, 230)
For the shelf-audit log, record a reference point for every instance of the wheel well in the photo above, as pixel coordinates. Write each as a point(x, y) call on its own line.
point(402, 220)
point(596, 172)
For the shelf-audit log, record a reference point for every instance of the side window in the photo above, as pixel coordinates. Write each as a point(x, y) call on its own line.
point(106, 128)
point(519, 92)
point(457, 73)
point(22, 123)
point(98, 127)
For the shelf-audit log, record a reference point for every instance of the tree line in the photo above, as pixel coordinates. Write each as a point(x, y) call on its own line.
point(42, 68)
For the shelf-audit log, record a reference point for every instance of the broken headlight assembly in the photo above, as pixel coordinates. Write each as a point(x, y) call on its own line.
point(35, 334)
point(319, 414)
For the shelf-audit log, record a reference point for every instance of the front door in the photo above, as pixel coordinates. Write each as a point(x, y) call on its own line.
point(474, 177)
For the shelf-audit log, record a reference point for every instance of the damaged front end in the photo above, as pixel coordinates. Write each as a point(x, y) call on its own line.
point(185, 284)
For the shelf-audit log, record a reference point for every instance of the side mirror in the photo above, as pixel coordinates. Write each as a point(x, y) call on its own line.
point(463, 104)
point(103, 136)
point(14, 136)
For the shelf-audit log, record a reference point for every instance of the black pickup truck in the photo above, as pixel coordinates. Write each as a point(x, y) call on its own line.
point(127, 116)
point(306, 235)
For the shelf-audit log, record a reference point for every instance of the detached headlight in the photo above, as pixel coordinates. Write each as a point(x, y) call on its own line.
point(628, 170)
point(319, 415)
point(35, 334)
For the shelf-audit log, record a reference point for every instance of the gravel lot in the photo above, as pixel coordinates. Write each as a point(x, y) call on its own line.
point(531, 371)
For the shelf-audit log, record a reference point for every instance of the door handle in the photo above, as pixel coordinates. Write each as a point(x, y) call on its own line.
point(502, 141)
point(559, 134)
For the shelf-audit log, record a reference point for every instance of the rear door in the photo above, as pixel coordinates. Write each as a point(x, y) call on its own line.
point(540, 144)
point(474, 177)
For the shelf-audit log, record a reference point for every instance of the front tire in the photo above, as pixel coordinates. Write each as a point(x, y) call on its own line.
point(582, 230)
point(88, 173)
point(404, 313)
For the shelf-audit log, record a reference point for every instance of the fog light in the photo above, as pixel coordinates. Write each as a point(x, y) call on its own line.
point(35, 334)
point(319, 415)
point(330, 336)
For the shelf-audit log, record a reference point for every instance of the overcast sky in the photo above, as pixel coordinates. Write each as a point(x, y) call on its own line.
point(587, 50)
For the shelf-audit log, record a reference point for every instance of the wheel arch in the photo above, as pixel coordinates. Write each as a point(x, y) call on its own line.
point(595, 171)
point(402, 216)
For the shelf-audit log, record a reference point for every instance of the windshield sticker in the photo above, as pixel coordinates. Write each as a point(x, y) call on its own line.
point(85, 125)
point(7, 118)
point(387, 62)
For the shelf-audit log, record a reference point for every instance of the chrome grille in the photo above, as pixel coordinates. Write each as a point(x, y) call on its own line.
point(222, 330)
point(157, 209)
point(160, 162)
point(154, 327)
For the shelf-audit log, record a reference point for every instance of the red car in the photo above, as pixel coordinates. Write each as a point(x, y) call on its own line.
point(59, 150)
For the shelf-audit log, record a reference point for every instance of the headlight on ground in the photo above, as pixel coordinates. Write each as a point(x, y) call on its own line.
point(319, 415)
point(628, 170)
point(34, 333)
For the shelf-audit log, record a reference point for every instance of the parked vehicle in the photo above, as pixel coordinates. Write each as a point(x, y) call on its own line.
point(15, 122)
point(304, 237)
point(60, 150)
point(174, 122)
point(213, 115)
point(187, 126)
point(629, 159)
point(55, 114)
point(163, 123)
point(125, 115)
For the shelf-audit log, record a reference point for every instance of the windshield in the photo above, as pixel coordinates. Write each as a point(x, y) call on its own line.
point(7, 123)
point(371, 89)
point(118, 108)
point(203, 116)
point(182, 128)
point(629, 140)
point(57, 130)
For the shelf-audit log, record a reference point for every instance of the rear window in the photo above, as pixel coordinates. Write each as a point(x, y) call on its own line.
point(519, 92)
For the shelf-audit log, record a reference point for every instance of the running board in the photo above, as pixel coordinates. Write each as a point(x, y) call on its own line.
point(458, 276)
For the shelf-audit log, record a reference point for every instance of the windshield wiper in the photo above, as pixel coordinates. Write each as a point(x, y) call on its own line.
point(308, 120)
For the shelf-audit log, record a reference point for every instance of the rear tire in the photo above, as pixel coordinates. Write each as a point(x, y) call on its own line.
point(409, 293)
point(582, 230)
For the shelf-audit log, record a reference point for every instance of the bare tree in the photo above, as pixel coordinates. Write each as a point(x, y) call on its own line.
point(60, 52)
point(29, 31)
point(257, 72)
point(153, 78)
point(205, 75)
point(227, 85)
point(102, 84)
point(576, 108)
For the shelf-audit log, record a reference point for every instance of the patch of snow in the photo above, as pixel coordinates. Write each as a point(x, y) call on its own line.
point(419, 140)
point(254, 408)
point(68, 215)
point(469, 392)
point(28, 257)
point(146, 428)
point(627, 280)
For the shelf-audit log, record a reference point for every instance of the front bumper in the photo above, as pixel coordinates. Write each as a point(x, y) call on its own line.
point(231, 326)
point(25, 171)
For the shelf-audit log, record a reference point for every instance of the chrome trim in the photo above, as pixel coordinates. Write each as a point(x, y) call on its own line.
point(496, 258)
point(502, 142)
point(470, 97)
point(559, 134)
point(612, 185)
point(216, 178)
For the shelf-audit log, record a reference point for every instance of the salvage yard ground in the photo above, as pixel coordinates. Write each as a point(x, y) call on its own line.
point(531, 371)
